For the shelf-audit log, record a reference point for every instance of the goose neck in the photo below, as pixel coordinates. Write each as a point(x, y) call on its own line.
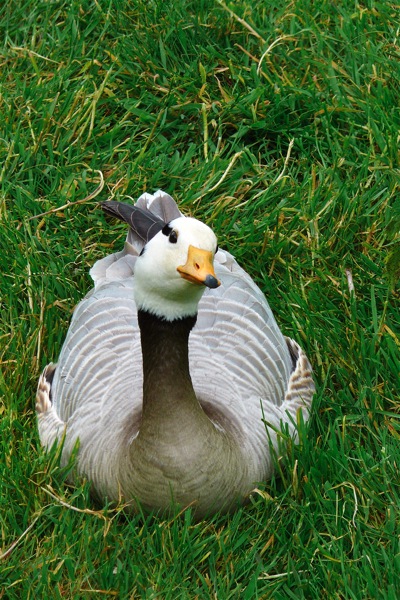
point(167, 385)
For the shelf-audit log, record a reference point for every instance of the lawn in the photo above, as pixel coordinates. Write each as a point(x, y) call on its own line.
point(278, 124)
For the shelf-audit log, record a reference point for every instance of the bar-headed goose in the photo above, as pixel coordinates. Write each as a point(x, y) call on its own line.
point(173, 384)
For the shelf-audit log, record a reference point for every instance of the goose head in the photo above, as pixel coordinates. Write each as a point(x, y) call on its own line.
point(174, 269)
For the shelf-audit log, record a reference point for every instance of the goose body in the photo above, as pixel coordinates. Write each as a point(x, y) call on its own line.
point(174, 389)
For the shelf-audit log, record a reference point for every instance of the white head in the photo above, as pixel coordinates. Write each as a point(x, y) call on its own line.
point(175, 269)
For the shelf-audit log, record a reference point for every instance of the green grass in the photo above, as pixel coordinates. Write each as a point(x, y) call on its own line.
point(278, 124)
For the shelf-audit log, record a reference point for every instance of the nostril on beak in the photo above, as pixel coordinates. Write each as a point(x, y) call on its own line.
point(197, 266)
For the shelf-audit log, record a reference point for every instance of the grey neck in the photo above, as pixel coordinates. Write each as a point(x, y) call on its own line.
point(168, 392)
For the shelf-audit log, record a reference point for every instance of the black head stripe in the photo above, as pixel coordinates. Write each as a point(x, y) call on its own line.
point(167, 229)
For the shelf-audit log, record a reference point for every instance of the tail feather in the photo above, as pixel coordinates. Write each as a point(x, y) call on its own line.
point(51, 427)
point(301, 385)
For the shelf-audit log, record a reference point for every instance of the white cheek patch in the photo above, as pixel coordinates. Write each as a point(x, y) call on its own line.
point(159, 288)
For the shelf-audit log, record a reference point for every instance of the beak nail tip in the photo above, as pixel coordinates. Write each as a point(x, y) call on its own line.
point(211, 282)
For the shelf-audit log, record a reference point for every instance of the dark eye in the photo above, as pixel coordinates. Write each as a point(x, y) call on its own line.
point(173, 237)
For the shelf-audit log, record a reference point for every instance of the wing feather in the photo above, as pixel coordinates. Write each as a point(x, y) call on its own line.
point(143, 223)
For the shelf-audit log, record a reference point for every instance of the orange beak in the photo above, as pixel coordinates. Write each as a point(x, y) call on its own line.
point(199, 268)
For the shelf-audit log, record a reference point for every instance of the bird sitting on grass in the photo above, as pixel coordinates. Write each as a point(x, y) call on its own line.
point(174, 376)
